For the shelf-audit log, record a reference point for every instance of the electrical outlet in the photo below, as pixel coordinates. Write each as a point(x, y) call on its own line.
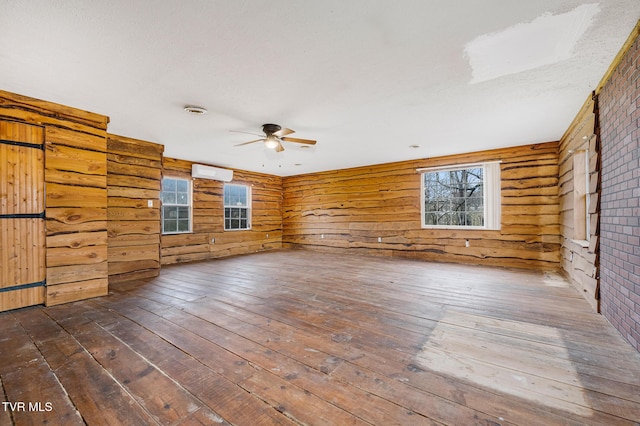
point(213, 240)
point(267, 235)
point(379, 239)
point(466, 243)
point(149, 203)
point(322, 236)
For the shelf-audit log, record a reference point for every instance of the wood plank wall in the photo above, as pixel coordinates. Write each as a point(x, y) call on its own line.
point(348, 210)
point(579, 257)
point(209, 239)
point(134, 176)
point(76, 195)
point(22, 239)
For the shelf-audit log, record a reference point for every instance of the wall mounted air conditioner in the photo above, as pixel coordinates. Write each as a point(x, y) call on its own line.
point(213, 173)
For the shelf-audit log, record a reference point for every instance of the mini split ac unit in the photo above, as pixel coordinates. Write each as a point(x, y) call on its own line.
point(213, 173)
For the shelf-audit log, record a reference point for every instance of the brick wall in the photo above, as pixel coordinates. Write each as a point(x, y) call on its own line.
point(620, 209)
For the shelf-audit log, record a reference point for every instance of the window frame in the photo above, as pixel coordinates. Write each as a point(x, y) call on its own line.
point(188, 205)
point(247, 207)
point(581, 197)
point(491, 194)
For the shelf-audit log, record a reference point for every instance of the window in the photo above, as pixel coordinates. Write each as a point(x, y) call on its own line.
point(176, 205)
point(465, 196)
point(237, 211)
point(581, 196)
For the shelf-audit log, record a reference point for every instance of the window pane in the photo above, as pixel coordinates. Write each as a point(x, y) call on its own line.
point(236, 195)
point(182, 185)
point(169, 226)
point(168, 197)
point(168, 185)
point(183, 225)
point(454, 197)
point(183, 212)
point(183, 198)
point(169, 212)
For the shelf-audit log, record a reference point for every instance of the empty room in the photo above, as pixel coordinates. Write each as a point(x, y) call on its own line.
point(320, 212)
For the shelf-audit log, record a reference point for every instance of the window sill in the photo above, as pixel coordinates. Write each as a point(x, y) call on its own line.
point(581, 243)
point(457, 228)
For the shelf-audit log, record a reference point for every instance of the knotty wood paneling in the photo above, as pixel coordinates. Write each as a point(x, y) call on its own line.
point(580, 257)
point(134, 175)
point(209, 239)
point(351, 209)
point(76, 195)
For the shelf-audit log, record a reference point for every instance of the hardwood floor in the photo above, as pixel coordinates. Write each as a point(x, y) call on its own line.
point(301, 337)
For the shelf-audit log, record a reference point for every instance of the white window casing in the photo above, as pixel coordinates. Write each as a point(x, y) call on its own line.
point(491, 194)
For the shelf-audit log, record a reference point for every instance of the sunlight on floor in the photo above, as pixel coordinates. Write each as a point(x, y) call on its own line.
point(540, 371)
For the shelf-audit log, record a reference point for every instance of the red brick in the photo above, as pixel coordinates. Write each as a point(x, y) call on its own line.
point(619, 107)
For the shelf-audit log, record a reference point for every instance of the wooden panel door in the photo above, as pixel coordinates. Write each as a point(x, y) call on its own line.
point(22, 230)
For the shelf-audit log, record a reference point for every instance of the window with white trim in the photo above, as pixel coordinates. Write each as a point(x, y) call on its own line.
point(581, 220)
point(176, 205)
point(462, 196)
point(237, 207)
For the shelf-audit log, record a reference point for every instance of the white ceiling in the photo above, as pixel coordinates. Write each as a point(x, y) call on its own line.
point(366, 78)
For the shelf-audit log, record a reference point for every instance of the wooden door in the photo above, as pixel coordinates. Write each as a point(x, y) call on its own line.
point(22, 228)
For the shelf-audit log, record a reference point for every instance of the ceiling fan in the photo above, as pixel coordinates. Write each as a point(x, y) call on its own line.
point(275, 135)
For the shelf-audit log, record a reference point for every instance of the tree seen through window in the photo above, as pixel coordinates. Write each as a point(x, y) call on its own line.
point(454, 197)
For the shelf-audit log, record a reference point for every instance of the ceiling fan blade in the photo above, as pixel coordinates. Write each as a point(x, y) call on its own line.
point(298, 140)
point(279, 148)
point(283, 132)
point(247, 143)
point(246, 133)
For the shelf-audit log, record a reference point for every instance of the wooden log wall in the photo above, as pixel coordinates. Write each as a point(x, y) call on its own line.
point(134, 179)
point(76, 195)
point(579, 255)
point(209, 239)
point(351, 209)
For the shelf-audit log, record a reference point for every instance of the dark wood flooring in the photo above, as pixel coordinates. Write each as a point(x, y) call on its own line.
point(301, 337)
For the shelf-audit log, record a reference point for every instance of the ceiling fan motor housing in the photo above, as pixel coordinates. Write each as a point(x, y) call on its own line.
point(270, 129)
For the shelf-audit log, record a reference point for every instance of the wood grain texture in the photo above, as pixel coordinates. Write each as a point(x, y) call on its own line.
point(22, 239)
point(134, 176)
point(76, 193)
point(301, 337)
point(579, 258)
point(351, 209)
point(76, 201)
point(36, 111)
point(209, 239)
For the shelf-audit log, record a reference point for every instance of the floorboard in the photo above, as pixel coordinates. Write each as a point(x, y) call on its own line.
point(300, 337)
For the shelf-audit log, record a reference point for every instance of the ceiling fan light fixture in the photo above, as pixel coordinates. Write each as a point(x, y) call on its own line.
point(271, 142)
